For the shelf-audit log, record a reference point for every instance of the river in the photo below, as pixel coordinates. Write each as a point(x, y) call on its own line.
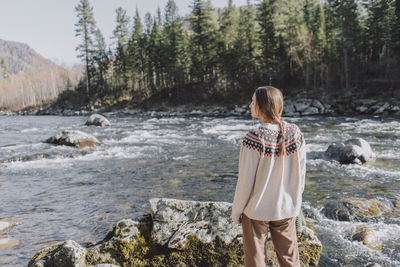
point(54, 193)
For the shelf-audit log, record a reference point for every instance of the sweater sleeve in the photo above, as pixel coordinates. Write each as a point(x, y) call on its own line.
point(303, 159)
point(248, 163)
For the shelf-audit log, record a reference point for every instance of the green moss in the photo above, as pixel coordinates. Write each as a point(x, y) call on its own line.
point(373, 208)
point(147, 252)
point(309, 251)
point(124, 253)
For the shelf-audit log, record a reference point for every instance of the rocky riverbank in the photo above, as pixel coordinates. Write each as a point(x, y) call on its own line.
point(301, 105)
point(175, 233)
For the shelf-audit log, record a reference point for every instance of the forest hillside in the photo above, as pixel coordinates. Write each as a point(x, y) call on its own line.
point(27, 78)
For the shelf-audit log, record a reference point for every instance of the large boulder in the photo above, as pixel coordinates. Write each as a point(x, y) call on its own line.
point(175, 220)
point(180, 233)
point(74, 138)
point(360, 209)
point(66, 254)
point(98, 120)
point(355, 150)
point(189, 225)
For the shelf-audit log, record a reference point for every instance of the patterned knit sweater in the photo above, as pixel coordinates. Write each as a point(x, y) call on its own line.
point(270, 187)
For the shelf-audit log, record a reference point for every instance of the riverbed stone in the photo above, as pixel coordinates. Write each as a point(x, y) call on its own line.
point(310, 111)
point(4, 225)
point(180, 233)
point(123, 244)
point(382, 108)
point(98, 120)
point(65, 254)
point(368, 237)
point(357, 209)
point(302, 104)
point(355, 150)
point(179, 224)
point(74, 138)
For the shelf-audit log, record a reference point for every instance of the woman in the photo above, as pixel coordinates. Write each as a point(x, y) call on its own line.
point(271, 182)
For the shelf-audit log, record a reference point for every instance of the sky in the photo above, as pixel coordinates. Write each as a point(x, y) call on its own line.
point(47, 26)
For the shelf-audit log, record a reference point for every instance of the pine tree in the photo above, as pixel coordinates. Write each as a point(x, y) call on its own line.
point(173, 47)
point(246, 47)
point(136, 55)
point(228, 25)
point(378, 25)
point(202, 41)
point(346, 15)
point(85, 29)
point(101, 59)
point(121, 37)
point(268, 40)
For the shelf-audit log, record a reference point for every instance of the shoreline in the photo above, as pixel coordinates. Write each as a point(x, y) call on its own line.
point(293, 107)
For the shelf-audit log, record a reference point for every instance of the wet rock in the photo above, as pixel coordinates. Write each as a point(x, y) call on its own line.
point(302, 104)
point(317, 104)
point(382, 108)
point(362, 109)
point(74, 138)
point(66, 254)
point(4, 225)
point(356, 209)
point(238, 111)
point(352, 151)
point(368, 237)
point(289, 109)
point(98, 120)
point(310, 111)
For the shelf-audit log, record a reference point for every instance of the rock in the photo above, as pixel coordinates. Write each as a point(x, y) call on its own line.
point(310, 111)
point(317, 104)
point(382, 108)
point(366, 102)
point(352, 151)
point(104, 265)
point(239, 111)
point(184, 225)
point(74, 138)
point(66, 254)
point(124, 235)
point(302, 104)
point(289, 109)
point(4, 225)
point(180, 233)
point(97, 120)
point(356, 209)
point(174, 221)
point(368, 237)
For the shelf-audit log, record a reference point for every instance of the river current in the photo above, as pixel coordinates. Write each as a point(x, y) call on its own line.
point(52, 193)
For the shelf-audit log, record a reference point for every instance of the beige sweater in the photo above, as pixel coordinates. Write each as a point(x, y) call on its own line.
point(270, 187)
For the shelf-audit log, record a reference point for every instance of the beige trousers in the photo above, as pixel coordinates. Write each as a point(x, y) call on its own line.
point(284, 238)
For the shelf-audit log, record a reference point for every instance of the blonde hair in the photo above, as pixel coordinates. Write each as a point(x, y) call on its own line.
point(269, 104)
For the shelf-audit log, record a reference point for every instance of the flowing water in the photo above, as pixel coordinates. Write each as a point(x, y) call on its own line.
point(54, 193)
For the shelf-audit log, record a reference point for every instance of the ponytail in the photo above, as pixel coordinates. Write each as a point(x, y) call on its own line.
point(282, 149)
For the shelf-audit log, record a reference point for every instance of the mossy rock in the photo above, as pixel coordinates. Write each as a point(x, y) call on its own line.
point(356, 209)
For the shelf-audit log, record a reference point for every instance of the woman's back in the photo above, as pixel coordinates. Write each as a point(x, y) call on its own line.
point(278, 180)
